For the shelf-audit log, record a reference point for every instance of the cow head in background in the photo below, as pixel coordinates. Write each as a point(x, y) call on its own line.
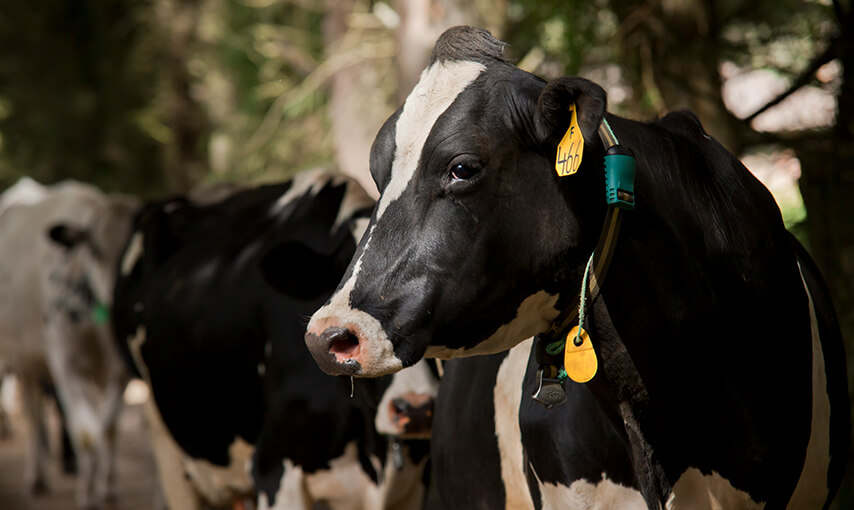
point(96, 237)
point(456, 260)
point(406, 407)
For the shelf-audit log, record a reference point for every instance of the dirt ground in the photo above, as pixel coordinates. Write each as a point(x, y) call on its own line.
point(136, 478)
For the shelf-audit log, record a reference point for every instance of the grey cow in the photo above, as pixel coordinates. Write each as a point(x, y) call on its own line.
point(57, 265)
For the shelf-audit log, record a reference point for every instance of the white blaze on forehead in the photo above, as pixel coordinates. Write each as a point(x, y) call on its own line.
point(439, 86)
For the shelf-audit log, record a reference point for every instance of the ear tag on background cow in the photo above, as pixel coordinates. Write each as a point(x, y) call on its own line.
point(580, 360)
point(570, 148)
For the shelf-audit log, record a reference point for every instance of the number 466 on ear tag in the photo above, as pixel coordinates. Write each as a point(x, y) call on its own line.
point(579, 360)
point(570, 148)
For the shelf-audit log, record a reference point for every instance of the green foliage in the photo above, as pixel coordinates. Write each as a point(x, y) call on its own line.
point(250, 67)
point(152, 96)
point(574, 33)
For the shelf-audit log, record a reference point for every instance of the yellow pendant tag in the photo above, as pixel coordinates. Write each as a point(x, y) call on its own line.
point(580, 360)
point(570, 148)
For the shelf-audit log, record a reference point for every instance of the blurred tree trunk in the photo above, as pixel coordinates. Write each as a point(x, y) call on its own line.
point(423, 21)
point(184, 161)
point(359, 100)
point(363, 96)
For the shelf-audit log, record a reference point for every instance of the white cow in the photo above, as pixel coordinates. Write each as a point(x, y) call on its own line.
point(57, 265)
point(25, 191)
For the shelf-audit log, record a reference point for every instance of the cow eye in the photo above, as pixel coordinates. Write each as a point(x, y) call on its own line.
point(463, 171)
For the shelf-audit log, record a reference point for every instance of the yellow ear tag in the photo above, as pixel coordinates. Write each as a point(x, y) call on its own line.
point(570, 148)
point(580, 360)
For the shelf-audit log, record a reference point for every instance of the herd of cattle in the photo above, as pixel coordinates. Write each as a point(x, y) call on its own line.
point(721, 373)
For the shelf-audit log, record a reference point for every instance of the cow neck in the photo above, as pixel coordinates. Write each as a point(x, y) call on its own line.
point(551, 363)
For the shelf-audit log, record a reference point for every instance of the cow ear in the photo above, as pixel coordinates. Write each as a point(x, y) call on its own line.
point(67, 236)
point(552, 116)
point(300, 272)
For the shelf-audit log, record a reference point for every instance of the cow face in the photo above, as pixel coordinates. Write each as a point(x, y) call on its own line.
point(98, 243)
point(473, 234)
point(406, 407)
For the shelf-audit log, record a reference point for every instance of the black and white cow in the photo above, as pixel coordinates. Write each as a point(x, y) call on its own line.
point(719, 354)
point(220, 345)
point(59, 246)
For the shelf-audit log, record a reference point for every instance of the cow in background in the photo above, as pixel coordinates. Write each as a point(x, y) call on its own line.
point(221, 348)
point(24, 191)
point(57, 267)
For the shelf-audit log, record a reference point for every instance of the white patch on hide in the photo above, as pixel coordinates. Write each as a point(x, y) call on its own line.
point(811, 491)
point(534, 315)
point(696, 491)
point(132, 253)
point(508, 397)
point(345, 486)
point(584, 495)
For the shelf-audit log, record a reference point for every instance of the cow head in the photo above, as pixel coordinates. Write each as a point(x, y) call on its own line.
point(406, 407)
point(474, 234)
point(98, 241)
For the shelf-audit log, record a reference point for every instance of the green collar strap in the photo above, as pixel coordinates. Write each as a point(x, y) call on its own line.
point(619, 168)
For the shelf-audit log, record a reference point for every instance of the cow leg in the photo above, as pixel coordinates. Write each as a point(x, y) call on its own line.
point(69, 458)
point(5, 423)
point(84, 428)
point(32, 398)
point(105, 478)
point(175, 487)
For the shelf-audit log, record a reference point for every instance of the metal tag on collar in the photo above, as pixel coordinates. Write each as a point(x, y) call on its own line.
point(550, 390)
point(396, 454)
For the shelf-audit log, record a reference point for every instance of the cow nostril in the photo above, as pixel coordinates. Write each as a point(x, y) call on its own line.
point(400, 405)
point(342, 342)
